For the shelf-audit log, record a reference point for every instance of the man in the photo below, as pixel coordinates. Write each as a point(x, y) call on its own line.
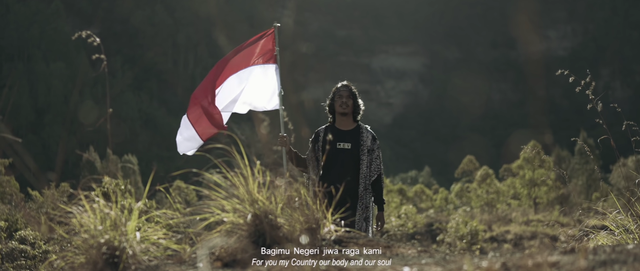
point(345, 154)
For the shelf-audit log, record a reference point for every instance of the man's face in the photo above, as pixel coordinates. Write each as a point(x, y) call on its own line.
point(343, 103)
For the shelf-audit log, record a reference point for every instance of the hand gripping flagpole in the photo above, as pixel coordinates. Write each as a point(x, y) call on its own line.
point(284, 151)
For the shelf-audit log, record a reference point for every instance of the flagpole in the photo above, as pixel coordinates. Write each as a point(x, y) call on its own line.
point(284, 151)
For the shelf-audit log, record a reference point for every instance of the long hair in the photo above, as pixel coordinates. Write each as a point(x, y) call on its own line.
point(358, 105)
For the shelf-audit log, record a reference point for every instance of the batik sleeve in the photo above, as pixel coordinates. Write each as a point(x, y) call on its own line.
point(377, 186)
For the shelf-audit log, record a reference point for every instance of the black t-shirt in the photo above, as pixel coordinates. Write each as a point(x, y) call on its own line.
point(342, 166)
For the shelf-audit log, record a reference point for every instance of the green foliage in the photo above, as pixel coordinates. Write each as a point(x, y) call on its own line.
point(624, 176)
point(25, 251)
point(415, 177)
point(463, 233)
point(109, 227)
point(583, 173)
point(11, 222)
point(125, 169)
point(531, 180)
point(9, 188)
point(461, 194)
point(21, 248)
point(478, 187)
point(47, 204)
point(407, 208)
point(487, 193)
point(466, 172)
point(179, 197)
point(408, 219)
point(443, 202)
point(480, 212)
point(3, 227)
point(397, 195)
point(421, 198)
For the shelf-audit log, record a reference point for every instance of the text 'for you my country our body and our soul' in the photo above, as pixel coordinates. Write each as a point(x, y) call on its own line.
point(306, 252)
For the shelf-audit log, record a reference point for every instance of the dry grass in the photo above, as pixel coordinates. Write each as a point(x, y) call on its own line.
point(243, 203)
point(107, 229)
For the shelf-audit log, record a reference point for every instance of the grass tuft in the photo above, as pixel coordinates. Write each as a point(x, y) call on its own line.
point(620, 226)
point(242, 201)
point(109, 230)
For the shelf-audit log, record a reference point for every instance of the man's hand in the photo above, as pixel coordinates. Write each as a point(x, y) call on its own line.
point(283, 141)
point(380, 221)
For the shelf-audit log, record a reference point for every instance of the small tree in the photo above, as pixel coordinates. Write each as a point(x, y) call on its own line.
point(9, 188)
point(625, 177)
point(467, 170)
point(487, 192)
point(583, 173)
point(531, 180)
point(415, 177)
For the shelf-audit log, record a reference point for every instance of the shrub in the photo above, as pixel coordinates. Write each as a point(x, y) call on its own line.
point(531, 180)
point(625, 176)
point(125, 168)
point(487, 193)
point(9, 188)
point(45, 207)
point(467, 170)
point(583, 173)
point(20, 247)
point(463, 233)
point(443, 202)
point(25, 251)
point(421, 198)
point(461, 194)
point(397, 195)
point(415, 177)
point(407, 208)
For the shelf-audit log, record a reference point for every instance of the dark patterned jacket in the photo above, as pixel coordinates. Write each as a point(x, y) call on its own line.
point(371, 172)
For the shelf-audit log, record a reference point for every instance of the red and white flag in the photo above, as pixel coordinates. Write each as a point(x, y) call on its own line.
point(245, 79)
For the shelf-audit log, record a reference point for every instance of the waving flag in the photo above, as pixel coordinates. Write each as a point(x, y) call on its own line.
point(245, 79)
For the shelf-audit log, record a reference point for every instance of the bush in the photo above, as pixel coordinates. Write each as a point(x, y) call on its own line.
point(478, 187)
point(487, 194)
point(625, 177)
point(21, 248)
point(25, 251)
point(125, 169)
point(408, 208)
point(443, 202)
point(463, 233)
point(9, 188)
point(415, 177)
point(531, 180)
point(584, 182)
point(467, 170)
point(397, 195)
point(421, 198)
